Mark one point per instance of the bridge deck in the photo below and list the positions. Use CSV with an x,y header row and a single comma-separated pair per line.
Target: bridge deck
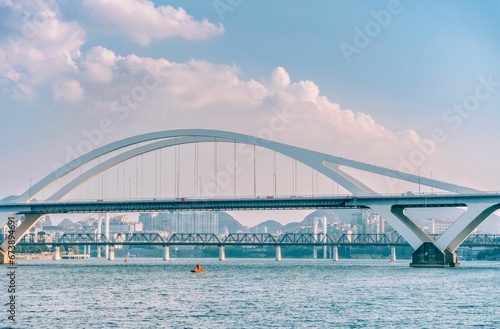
x,y
251,203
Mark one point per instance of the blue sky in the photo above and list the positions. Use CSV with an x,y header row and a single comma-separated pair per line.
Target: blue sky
x,y
229,70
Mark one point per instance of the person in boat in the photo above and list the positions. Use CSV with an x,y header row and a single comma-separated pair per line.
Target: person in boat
x,y
198,269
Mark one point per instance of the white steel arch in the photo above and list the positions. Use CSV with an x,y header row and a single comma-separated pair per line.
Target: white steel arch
x,y
328,165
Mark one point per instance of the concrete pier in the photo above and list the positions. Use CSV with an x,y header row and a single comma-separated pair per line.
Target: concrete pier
x,y
335,255
57,253
111,253
99,231
393,253
428,255
222,253
106,232
166,253
325,232
278,253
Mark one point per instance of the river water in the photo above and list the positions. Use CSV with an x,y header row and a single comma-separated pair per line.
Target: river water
x,y
252,293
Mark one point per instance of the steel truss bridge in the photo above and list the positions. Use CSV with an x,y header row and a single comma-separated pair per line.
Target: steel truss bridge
x,y
429,251
239,239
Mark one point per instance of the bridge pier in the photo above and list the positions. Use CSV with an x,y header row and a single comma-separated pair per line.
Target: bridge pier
x,y
315,252
111,255
166,253
99,252
222,253
106,232
57,253
428,255
4,259
324,253
335,255
393,253
278,253
17,234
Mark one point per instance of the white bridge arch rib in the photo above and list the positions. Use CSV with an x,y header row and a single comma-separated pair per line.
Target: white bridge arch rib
x,y
328,165
94,171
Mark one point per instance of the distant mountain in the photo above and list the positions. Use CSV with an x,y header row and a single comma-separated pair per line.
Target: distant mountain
x,y
65,222
331,216
228,221
272,226
45,221
309,220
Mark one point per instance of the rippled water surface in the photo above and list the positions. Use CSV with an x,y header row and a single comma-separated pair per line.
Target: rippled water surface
x,y
253,293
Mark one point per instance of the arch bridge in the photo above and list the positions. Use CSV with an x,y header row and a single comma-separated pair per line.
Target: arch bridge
x,y
429,251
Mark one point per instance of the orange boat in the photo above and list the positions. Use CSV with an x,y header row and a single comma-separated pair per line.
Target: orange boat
x,y
198,269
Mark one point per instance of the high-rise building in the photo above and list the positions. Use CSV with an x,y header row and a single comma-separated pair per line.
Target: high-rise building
x,y
439,226
121,224
367,222
182,222
148,222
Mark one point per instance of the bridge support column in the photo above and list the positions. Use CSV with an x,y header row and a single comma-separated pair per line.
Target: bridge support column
x,y
335,255
14,237
393,253
85,249
56,253
428,255
99,231
315,252
4,259
324,253
111,255
278,253
106,231
166,253
222,253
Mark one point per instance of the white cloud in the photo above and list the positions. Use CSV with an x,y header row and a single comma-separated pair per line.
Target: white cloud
x,y
36,46
200,94
142,21
192,94
98,65
68,90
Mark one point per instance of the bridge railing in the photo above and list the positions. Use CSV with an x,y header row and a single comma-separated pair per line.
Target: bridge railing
x,y
143,238
213,239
